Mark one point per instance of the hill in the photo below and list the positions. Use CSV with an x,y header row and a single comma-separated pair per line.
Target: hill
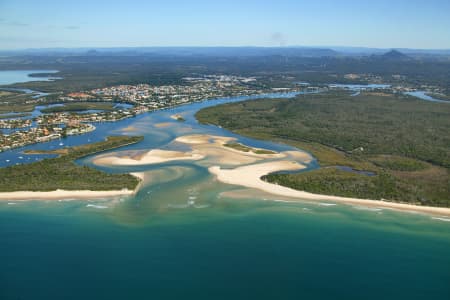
x,y
394,55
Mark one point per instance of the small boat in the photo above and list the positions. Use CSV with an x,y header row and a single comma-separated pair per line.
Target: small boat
x,y
7,160
61,144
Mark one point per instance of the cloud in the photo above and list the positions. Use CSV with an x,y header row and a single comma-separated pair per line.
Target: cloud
x,y
13,23
278,38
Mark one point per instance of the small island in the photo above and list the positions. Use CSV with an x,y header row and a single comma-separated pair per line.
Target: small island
x,y
178,117
244,148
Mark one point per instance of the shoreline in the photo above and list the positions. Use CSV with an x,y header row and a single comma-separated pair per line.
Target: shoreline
x,y
62,194
247,172
71,194
250,177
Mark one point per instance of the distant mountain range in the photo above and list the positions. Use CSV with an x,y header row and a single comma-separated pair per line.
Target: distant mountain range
x,y
184,51
386,54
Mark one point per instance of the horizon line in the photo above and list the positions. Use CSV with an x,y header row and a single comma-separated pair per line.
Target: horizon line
x,y
331,47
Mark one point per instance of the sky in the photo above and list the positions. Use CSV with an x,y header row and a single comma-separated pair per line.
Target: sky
x,y
133,23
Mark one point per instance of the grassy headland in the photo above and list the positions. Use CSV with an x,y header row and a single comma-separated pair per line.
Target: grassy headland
x,y
62,173
403,140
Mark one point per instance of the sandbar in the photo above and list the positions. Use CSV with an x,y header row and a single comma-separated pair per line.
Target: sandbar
x,y
212,147
154,156
129,128
163,124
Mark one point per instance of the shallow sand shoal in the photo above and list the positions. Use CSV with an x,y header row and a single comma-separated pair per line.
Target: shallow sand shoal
x,y
129,128
250,176
154,156
63,194
203,146
203,139
163,124
212,147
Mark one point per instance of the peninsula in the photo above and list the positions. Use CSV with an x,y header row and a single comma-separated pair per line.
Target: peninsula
x,y
60,177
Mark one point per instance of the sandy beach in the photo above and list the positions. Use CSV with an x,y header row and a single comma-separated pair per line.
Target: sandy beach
x,y
63,194
249,176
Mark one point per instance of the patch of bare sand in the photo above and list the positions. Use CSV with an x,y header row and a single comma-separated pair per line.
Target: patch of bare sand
x,y
129,129
154,156
163,124
212,147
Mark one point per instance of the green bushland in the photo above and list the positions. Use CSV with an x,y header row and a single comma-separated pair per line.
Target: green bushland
x,y
398,163
15,102
405,141
443,97
79,106
243,148
62,173
341,183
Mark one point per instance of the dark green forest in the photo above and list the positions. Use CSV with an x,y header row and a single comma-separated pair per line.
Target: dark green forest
x,y
405,141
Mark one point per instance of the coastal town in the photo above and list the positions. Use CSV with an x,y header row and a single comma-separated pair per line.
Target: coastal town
x,y
140,98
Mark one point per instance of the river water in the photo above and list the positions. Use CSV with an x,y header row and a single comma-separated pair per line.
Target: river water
x,y
22,76
184,237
